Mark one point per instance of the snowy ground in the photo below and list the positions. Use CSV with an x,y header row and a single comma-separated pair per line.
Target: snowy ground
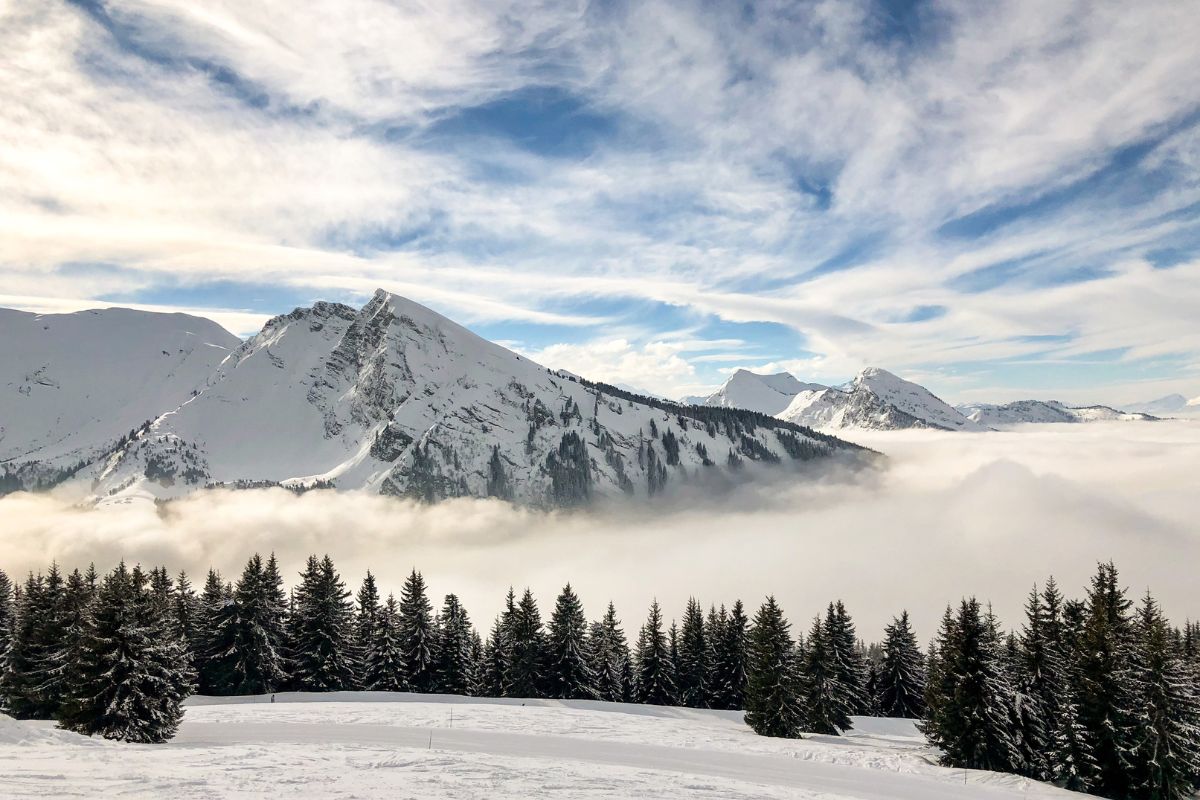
x,y
366,745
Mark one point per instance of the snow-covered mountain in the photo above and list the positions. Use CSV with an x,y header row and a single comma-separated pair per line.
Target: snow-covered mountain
x,y
877,400
396,399
766,394
1173,405
71,385
1045,411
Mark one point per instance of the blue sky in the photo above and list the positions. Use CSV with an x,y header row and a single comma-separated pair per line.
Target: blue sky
x,y
999,199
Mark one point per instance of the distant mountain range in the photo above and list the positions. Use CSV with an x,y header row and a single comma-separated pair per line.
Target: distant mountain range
x,y
390,398
878,400
874,400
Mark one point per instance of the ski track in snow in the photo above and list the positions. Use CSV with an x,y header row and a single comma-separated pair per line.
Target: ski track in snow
x,y
367,744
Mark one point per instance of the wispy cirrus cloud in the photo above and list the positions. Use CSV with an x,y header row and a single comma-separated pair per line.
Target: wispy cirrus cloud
x,y
973,192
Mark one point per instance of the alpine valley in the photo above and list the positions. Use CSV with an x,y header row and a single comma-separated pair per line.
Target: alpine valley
x,y
391,398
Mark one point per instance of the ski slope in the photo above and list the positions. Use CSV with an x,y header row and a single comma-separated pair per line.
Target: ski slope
x,y
370,744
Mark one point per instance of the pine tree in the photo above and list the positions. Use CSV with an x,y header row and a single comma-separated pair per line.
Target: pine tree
x,y
322,630
608,655
129,682
824,697
901,690
653,671
1027,717
20,685
694,664
366,622
418,639
186,612
970,709
75,617
772,703
851,663
1165,757
275,617
569,675
526,668
244,652
6,614
455,667
1107,695
212,603
383,670
729,669
497,653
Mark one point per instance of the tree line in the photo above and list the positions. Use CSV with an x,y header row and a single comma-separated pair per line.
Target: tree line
x,y
1092,694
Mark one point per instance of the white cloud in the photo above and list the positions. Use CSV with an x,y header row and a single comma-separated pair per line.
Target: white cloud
x,y
955,514
116,159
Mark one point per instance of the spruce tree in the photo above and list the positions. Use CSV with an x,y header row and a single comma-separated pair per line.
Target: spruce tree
x,y
130,681
729,669
569,675
497,652
418,638
75,616
322,630
823,696
1165,757
212,603
694,665
1107,694
851,663
608,654
901,674
6,614
652,662
526,668
186,613
20,684
772,703
454,670
244,651
366,621
383,670
970,709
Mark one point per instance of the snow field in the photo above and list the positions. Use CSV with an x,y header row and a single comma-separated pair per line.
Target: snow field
x,y
368,744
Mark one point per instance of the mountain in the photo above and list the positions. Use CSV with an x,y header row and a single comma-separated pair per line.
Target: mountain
x,y
766,394
71,385
877,400
395,399
1173,405
1045,411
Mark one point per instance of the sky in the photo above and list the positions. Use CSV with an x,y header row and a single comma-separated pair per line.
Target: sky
x,y
954,514
999,200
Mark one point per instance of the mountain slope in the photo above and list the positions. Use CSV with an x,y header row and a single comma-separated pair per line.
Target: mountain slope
x,y
72,384
1045,411
766,394
396,399
876,400
368,745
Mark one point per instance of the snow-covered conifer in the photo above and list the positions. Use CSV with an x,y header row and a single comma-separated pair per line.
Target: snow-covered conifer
x,y
454,670
772,703
901,673
322,630
569,676
131,678
655,684
694,665
418,638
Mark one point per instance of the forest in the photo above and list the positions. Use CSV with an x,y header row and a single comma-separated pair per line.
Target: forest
x,y
1097,694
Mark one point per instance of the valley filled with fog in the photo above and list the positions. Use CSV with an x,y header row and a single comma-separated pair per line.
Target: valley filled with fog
x,y
950,514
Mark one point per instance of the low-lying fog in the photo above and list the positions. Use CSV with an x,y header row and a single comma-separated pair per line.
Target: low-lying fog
x,y
954,514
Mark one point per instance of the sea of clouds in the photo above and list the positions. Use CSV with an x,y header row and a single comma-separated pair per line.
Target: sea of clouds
x,y
952,514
